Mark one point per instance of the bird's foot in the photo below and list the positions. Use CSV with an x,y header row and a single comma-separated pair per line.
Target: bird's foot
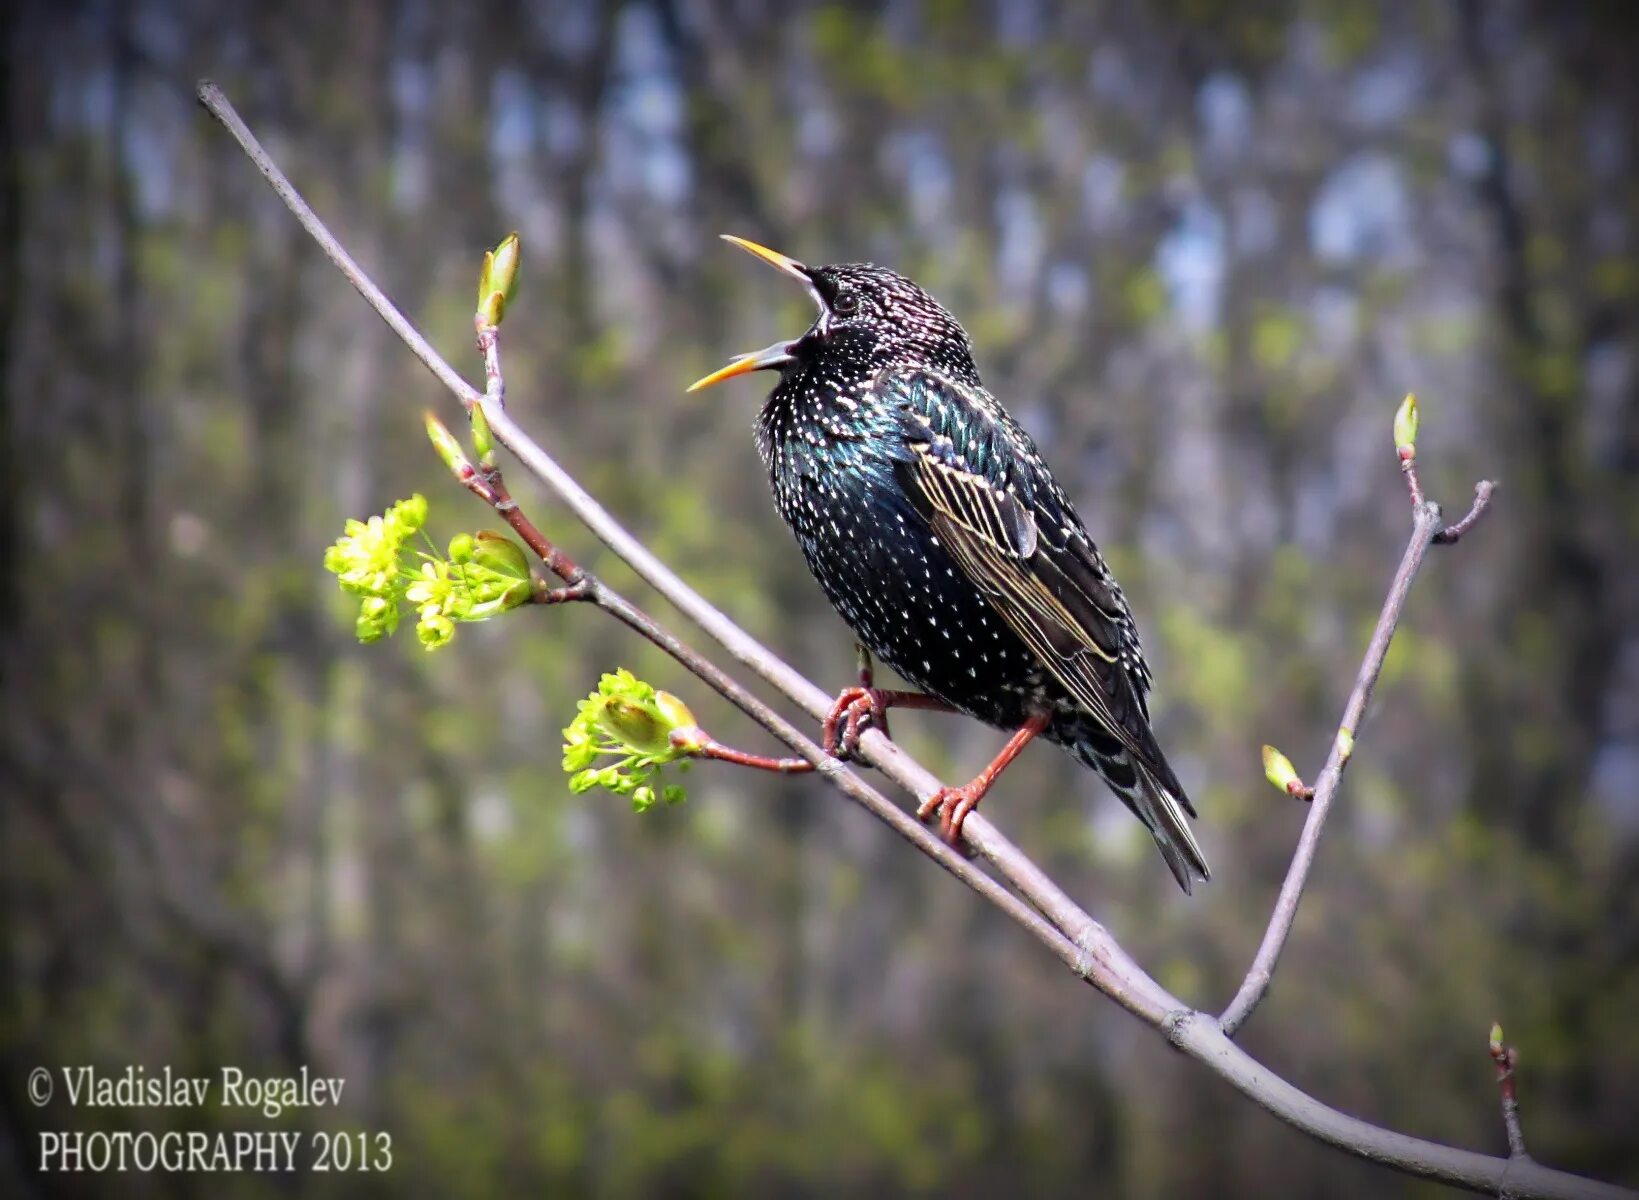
x,y
856,710
953,805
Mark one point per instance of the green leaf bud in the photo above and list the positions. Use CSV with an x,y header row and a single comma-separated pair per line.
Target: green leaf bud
x,y
1278,769
498,553
635,724
1405,427
448,448
498,280
483,441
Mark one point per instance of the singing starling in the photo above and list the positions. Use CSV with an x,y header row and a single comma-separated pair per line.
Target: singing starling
x,y
933,525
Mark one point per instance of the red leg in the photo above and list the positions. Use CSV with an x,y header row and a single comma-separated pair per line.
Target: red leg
x,y
867,679
954,804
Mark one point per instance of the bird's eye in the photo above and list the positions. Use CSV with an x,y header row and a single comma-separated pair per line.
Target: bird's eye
x,y
846,304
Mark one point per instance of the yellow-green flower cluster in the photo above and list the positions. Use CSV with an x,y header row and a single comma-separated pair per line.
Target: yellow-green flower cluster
x,y
486,573
645,728
366,561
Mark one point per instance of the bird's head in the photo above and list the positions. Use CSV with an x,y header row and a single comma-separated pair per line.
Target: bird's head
x,y
869,318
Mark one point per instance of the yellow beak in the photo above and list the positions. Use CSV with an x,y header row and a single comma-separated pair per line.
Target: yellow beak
x,y
776,355
780,262
779,353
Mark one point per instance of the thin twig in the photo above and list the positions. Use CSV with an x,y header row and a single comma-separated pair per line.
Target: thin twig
x,y
1425,524
1408,468
1482,504
1507,1060
759,762
1078,940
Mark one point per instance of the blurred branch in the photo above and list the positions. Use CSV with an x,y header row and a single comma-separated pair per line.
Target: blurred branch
x,y
1068,931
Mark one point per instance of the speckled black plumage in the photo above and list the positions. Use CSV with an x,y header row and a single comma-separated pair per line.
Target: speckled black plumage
x,y
930,520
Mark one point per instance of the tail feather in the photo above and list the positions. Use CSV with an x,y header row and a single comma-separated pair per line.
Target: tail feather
x,y
1165,812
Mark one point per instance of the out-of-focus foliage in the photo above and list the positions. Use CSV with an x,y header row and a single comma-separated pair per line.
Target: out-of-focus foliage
x,y
1203,248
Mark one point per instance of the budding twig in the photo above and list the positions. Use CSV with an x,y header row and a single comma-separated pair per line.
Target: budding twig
x,y
1506,1060
1427,529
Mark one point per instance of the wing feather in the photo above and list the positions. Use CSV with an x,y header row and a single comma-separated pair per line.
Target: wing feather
x,y
1049,584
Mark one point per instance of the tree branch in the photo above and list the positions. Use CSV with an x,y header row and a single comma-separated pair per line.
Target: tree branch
x,y
1075,937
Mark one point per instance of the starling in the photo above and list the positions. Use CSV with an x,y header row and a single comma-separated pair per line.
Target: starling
x,y
937,532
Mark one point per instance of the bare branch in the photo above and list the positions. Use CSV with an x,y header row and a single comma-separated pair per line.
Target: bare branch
x,y
1482,505
1074,936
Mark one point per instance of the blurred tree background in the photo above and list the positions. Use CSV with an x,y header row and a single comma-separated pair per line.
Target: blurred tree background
x,y
1204,248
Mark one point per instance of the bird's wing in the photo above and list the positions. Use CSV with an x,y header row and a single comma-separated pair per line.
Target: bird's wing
x,y
976,478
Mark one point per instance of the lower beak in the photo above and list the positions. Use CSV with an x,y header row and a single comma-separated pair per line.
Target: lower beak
x,y
776,355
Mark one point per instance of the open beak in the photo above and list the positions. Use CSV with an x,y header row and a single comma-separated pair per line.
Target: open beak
x,y
780,353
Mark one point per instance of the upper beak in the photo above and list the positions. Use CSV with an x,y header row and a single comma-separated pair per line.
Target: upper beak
x,y
779,353
773,258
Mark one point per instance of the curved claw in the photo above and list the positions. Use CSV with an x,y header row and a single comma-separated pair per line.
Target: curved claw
x,y
856,710
953,804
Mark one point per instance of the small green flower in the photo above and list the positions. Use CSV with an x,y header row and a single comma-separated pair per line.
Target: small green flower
x,y
365,559
434,630
485,574
378,618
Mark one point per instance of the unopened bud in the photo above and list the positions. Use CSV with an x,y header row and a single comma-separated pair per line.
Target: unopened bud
x,y
673,711
1278,769
1405,428
448,448
498,281
499,553
634,724
483,441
